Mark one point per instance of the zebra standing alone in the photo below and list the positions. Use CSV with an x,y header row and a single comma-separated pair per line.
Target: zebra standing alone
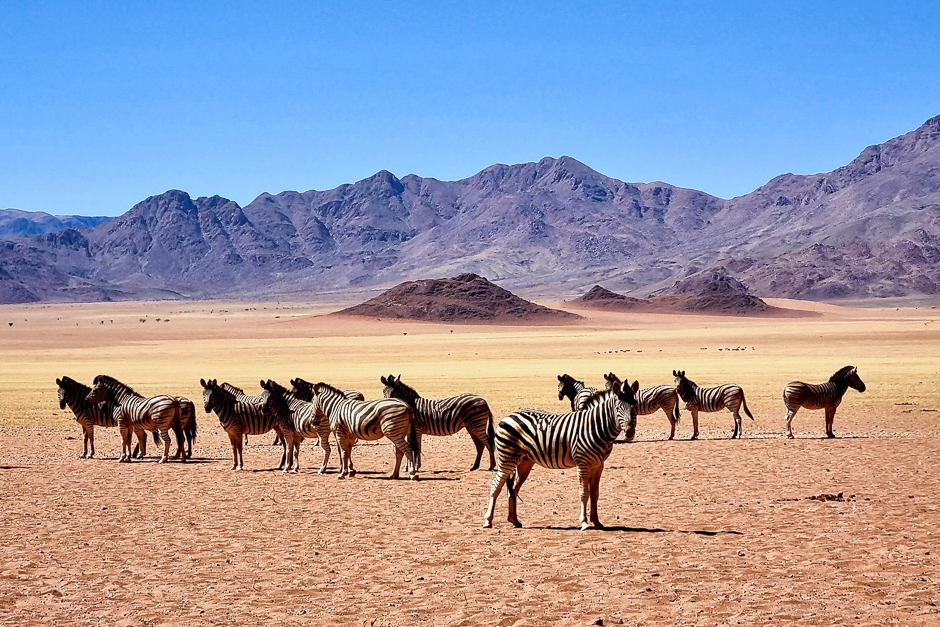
x,y
298,419
575,390
582,438
238,418
369,420
826,396
698,399
447,416
135,413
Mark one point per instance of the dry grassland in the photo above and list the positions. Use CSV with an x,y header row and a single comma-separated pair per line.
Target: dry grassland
x,y
708,532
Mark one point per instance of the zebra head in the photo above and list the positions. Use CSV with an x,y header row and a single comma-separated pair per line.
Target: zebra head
x,y
849,374
626,405
685,388
394,388
210,394
566,386
276,403
302,389
99,393
63,393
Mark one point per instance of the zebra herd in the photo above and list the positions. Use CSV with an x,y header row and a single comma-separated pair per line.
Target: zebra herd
x,y
581,438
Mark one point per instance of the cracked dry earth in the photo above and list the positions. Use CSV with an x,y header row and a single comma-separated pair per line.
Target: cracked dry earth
x,y
715,531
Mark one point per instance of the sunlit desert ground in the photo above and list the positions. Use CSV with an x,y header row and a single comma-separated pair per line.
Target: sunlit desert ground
x,y
708,532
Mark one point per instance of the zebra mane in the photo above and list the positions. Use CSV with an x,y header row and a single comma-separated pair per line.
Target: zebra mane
x,y
298,382
71,385
113,384
326,387
228,387
396,383
841,373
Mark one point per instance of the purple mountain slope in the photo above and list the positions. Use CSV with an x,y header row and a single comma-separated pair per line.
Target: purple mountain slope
x,y
549,229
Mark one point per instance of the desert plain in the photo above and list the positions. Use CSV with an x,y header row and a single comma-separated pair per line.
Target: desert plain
x,y
761,530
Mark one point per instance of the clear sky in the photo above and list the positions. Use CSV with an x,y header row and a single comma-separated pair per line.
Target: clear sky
x,y
105,103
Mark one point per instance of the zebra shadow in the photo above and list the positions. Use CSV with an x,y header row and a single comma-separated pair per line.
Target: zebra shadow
x,y
15,467
625,529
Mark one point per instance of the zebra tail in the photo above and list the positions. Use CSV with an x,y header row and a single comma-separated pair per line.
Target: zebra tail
x,y
413,444
746,410
191,428
675,412
156,437
490,431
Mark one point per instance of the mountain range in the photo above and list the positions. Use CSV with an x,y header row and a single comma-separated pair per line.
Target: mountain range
x,y
547,229
19,222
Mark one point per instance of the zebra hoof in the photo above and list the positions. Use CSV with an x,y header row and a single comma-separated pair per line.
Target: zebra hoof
x,y
830,435
585,526
414,477
487,524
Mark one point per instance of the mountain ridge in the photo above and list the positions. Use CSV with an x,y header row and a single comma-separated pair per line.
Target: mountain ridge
x,y
550,228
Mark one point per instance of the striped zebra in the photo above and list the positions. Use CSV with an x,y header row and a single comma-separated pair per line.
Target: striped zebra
x,y
826,396
135,413
651,400
369,420
238,418
447,416
696,399
188,424
298,419
575,390
72,394
259,399
582,438
304,391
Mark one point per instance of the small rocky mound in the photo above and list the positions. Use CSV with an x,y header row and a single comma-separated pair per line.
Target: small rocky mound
x,y
464,298
713,291
601,298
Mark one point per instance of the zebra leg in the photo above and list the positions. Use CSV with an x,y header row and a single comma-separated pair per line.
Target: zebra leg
x,y
830,416
126,436
788,422
478,443
233,440
402,449
85,443
584,491
240,451
279,435
522,473
595,490
165,436
672,421
324,441
495,487
738,429
344,443
289,442
694,413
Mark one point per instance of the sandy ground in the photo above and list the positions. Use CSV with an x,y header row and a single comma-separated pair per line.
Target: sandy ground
x,y
708,532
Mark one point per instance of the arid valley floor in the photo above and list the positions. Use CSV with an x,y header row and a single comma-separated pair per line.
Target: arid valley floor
x,y
715,531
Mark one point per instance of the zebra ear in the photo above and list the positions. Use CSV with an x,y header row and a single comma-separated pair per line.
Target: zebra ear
x,y
559,377
58,381
203,383
383,380
95,382
398,380
635,387
263,384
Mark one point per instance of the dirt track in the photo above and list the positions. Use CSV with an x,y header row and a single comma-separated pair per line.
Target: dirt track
x,y
707,532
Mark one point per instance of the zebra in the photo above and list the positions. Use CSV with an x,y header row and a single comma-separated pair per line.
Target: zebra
x,y
447,416
650,400
581,438
259,399
575,390
698,399
304,391
297,418
826,396
134,413
72,394
188,424
238,418
369,420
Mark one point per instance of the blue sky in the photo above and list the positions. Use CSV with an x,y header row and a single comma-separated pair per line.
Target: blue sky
x,y
105,103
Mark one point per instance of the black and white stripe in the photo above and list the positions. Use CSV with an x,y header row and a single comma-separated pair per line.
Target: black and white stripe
x,y
298,419
651,400
447,416
582,438
239,418
134,413
826,396
696,399
369,420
